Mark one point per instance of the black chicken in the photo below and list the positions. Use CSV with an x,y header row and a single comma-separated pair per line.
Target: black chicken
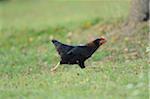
x,y
77,54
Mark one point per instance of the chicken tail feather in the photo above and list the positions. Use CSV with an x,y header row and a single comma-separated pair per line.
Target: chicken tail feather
x,y
56,43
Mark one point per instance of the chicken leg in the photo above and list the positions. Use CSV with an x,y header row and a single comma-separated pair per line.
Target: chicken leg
x,y
53,69
81,64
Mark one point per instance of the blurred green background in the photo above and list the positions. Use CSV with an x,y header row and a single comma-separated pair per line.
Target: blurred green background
x,y
118,70
44,13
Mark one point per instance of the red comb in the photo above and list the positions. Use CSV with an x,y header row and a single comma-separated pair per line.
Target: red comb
x,y
102,37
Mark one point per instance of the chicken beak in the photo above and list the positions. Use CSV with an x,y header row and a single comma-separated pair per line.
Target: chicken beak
x,y
103,40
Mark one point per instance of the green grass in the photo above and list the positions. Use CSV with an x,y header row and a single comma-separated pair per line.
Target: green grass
x,y
118,70
45,13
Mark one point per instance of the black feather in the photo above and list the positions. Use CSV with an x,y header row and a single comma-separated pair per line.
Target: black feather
x,y
75,54
61,48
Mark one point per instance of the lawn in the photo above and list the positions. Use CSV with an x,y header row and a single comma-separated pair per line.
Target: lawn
x,y
118,70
